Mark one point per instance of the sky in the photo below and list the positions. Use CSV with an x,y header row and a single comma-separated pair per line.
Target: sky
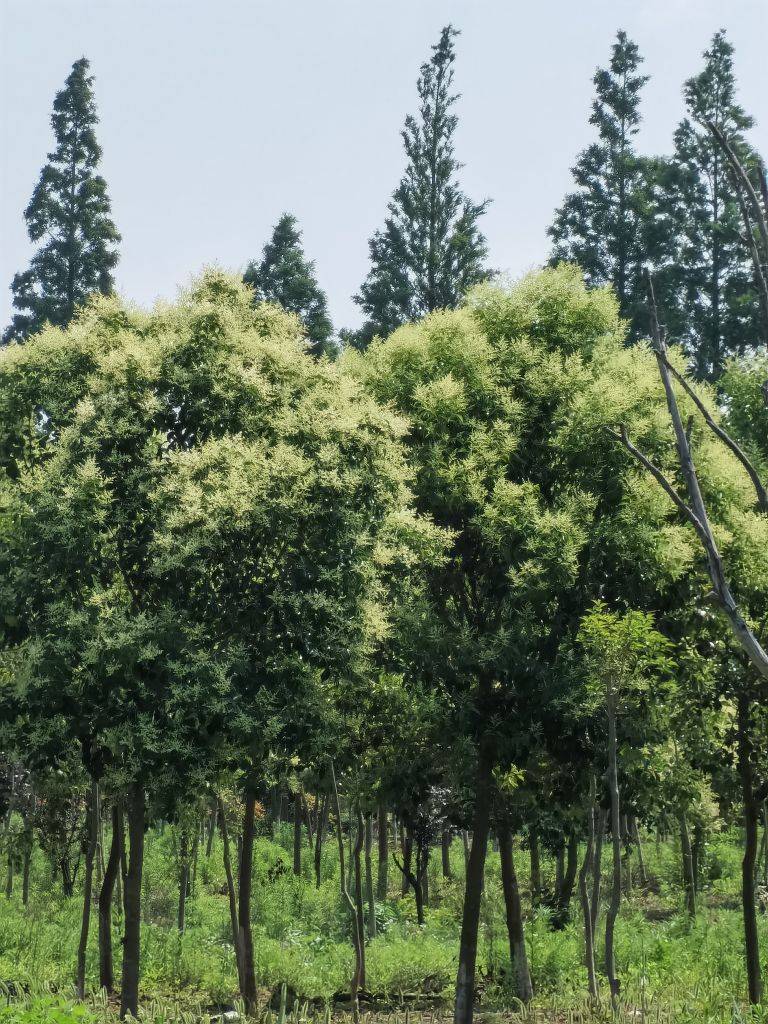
x,y
218,115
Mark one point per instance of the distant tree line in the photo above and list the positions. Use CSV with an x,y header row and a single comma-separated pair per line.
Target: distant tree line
x,y
679,215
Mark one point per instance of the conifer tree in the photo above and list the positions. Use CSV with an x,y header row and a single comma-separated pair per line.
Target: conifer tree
x,y
284,275
70,213
431,249
710,301
605,224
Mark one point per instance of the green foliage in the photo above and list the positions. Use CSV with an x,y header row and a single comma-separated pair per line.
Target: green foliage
x,y
431,249
285,276
70,211
606,224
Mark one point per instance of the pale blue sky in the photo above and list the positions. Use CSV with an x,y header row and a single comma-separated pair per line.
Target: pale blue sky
x,y
217,115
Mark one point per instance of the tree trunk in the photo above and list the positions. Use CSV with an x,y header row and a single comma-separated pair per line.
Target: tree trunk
x,y
615,903
369,878
248,990
586,909
407,859
322,827
515,928
568,882
129,993
183,879
357,937
751,814
383,849
445,853
211,831
635,832
93,838
533,838
231,892
465,978
106,894
297,809
689,876
601,817
357,850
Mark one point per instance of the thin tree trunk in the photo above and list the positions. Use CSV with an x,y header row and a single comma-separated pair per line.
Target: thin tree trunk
x,y
586,909
465,847
751,814
689,877
407,859
231,892
640,858
129,993
369,878
297,810
568,882
357,850
211,830
383,849
445,853
248,989
357,937
183,879
322,827
106,895
533,837
93,838
514,912
465,978
597,869
615,903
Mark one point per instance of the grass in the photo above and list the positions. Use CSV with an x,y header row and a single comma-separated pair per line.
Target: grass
x,y
672,969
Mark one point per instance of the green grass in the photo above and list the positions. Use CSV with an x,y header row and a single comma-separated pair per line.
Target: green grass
x,y
671,969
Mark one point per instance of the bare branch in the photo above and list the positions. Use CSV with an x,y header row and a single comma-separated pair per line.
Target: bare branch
x,y
725,437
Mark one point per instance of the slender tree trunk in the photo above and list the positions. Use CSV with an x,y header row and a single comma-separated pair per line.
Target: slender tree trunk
x,y
129,993
211,831
231,892
689,876
615,903
357,937
183,879
465,847
445,853
383,849
559,869
407,859
106,895
514,912
586,909
297,809
601,817
322,827
357,850
640,858
535,864
751,815
248,990
93,832
465,979
568,882
369,878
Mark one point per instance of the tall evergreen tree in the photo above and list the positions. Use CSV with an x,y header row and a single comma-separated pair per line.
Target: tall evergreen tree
x,y
284,275
70,210
605,225
712,305
431,249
